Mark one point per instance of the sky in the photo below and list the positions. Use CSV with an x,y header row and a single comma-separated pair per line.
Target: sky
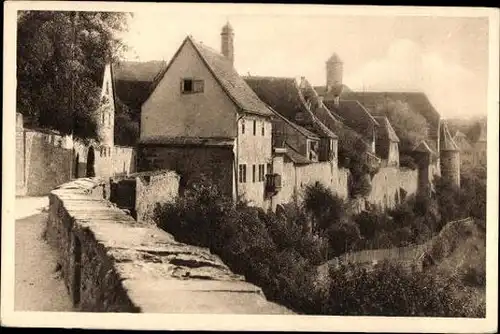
x,y
445,57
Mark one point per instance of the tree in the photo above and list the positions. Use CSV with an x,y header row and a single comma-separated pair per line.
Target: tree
x,y
411,127
60,62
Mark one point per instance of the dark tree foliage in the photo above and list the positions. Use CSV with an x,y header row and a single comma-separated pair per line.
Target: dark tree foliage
x,y
273,252
60,62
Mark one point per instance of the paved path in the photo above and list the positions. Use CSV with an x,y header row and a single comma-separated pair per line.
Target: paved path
x,y
38,287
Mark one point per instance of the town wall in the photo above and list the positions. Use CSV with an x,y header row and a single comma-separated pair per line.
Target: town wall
x,y
294,178
152,189
46,164
385,188
124,160
111,263
408,179
191,162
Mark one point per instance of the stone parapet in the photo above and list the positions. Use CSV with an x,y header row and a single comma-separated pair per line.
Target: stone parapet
x,y
111,263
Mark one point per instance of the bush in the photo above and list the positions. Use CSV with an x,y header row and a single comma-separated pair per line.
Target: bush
x,y
390,290
473,276
408,162
323,205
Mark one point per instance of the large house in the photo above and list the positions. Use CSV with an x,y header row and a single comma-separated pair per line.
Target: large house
x,y
202,120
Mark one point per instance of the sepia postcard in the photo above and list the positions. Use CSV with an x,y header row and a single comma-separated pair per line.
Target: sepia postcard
x,y
269,167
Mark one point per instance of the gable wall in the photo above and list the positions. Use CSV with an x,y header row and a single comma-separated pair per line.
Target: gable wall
x,y
168,112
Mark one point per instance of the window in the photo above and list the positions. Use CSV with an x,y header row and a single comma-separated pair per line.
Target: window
x,y
189,86
243,127
253,173
103,118
242,173
262,172
269,169
263,128
107,88
254,127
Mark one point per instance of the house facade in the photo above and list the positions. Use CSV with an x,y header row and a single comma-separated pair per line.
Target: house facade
x,y
202,120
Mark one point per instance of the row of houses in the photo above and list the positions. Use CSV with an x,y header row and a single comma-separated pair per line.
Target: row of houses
x,y
259,138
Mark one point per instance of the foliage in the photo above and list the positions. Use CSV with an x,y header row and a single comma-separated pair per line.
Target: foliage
x,y
273,252
352,152
56,49
410,127
407,161
390,290
126,128
323,205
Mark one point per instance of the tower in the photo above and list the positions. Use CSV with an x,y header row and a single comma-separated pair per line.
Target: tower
x,y
449,156
227,42
422,154
105,123
334,72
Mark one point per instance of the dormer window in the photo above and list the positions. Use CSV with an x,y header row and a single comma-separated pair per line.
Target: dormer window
x,y
191,86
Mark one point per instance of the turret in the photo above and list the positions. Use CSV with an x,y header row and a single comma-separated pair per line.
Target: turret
x,y
227,42
422,154
449,157
334,72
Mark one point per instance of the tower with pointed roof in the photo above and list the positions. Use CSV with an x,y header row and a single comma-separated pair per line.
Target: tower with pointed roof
x,y
422,154
334,73
449,156
227,42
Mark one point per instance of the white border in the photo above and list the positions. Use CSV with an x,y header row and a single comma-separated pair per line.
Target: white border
x,y
243,322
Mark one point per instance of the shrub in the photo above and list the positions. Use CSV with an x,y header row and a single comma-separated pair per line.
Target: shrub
x,y
473,276
325,207
407,161
390,290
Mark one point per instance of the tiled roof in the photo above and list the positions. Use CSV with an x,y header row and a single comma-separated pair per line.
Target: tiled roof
x,y
296,157
132,80
423,147
231,81
297,127
281,95
417,101
224,72
387,128
446,143
354,115
322,91
284,95
334,58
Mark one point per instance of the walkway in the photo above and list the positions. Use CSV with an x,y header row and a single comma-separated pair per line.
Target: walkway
x,y
38,286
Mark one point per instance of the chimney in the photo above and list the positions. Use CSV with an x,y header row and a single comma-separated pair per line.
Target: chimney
x,y
227,42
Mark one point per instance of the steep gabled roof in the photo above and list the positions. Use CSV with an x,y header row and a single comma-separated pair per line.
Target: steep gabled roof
x,y
132,80
297,127
225,74
284,96
417,101
296,157
446,143
423,147
281,95
354,115
386,128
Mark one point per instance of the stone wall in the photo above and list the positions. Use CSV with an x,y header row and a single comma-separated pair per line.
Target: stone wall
x,y
191,162
46,162
152,189
385,188
124,160
111,263
408,180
